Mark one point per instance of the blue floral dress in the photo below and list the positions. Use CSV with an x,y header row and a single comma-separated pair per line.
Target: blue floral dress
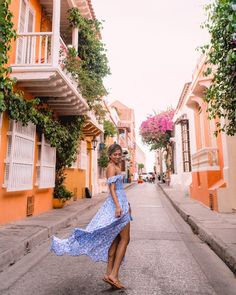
x,y
96,239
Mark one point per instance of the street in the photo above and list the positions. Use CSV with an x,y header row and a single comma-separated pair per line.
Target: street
x,y
163,257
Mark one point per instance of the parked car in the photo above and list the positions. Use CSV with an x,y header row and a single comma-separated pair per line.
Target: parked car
x,y
144,176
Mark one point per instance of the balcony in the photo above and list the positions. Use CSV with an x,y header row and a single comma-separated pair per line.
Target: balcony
x,y
206,159
91,126
38,66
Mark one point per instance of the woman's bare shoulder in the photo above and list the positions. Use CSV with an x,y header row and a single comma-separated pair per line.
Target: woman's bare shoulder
x,y
111,170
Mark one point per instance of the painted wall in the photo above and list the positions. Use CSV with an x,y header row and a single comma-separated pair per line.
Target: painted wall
x,y
75,182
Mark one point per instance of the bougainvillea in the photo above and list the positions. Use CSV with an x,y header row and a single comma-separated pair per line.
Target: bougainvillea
x,y
156,130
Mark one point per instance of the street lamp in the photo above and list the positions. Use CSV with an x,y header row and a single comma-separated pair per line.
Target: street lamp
x,y
94,143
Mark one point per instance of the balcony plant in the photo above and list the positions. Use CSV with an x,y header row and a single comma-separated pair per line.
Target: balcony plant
x,y
93,66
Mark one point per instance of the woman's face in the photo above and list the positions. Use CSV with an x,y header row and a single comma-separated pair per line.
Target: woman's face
x,y
116,156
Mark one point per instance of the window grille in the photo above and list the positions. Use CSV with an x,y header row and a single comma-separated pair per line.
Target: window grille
x,y
83,155
185,146
46,164
20,157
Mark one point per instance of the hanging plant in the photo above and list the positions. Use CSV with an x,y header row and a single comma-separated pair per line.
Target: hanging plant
x,y
93,65
109,129
221,56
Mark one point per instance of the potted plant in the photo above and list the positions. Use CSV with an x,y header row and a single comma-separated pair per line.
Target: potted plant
x,y
61,195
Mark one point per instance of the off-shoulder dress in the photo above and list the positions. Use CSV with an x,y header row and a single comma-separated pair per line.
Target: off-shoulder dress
x,y
96,239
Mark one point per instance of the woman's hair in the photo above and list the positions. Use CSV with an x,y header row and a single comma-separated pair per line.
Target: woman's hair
x,y
113,148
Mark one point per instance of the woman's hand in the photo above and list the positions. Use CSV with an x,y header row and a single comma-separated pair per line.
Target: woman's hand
x,y
118,212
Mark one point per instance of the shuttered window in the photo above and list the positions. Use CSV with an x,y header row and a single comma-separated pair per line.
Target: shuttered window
x,y
46,165
19,161
26,46
21,29
185,146
83,155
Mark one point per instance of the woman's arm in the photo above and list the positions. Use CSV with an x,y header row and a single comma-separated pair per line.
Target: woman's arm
x,y
112,187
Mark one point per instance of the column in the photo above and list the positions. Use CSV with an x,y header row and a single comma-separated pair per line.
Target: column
x,y
75,38
56,32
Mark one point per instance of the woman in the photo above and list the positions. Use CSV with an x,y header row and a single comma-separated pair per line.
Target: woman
x,y
107,235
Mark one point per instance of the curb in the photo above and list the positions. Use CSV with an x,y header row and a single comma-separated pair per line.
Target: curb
x,y
217,245
11,256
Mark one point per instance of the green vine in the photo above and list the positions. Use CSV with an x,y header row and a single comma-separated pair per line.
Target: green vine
x,y
103,159
109,129
64,133
221,53
93,64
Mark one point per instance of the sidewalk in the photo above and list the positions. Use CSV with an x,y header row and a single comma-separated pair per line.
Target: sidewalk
x,y
218,230
20,237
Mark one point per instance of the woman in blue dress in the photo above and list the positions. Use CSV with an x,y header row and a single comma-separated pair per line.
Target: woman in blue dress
x,y
107,235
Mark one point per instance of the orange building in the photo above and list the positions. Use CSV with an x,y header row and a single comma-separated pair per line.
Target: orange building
x,y
27,161
214,161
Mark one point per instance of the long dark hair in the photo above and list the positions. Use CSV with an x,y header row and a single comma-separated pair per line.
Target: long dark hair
x,y
113,148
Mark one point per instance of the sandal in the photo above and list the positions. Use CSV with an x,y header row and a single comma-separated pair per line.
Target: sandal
x,y
115,284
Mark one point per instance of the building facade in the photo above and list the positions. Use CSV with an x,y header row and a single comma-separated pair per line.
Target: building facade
x,y
126,128
140,158
211,160
183,143
26,159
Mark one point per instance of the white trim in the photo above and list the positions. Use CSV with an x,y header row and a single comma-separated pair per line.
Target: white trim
x,y
206,168
56,31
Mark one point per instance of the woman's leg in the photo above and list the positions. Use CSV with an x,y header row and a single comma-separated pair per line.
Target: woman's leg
x,y
111,255
120,252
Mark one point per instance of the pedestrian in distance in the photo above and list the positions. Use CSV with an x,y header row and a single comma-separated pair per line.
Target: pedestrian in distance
x,y
107,235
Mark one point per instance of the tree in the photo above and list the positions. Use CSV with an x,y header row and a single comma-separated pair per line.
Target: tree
x,y
140,167
156,132
221,61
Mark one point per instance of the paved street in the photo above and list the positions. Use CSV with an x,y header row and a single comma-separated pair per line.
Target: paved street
x,y
164,257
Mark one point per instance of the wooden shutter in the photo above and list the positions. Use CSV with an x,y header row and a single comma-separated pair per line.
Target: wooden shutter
x,y
83,155
19,163
22,24
47,165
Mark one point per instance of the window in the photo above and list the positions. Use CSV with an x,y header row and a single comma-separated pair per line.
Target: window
x,y
185,146
20,157
83,155
25,45
46,165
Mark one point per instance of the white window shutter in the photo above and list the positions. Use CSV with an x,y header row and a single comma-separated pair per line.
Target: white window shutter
x,y
83,155
74,165
19,163
47,165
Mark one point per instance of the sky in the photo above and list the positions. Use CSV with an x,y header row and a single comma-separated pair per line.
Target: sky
x,y
151,48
